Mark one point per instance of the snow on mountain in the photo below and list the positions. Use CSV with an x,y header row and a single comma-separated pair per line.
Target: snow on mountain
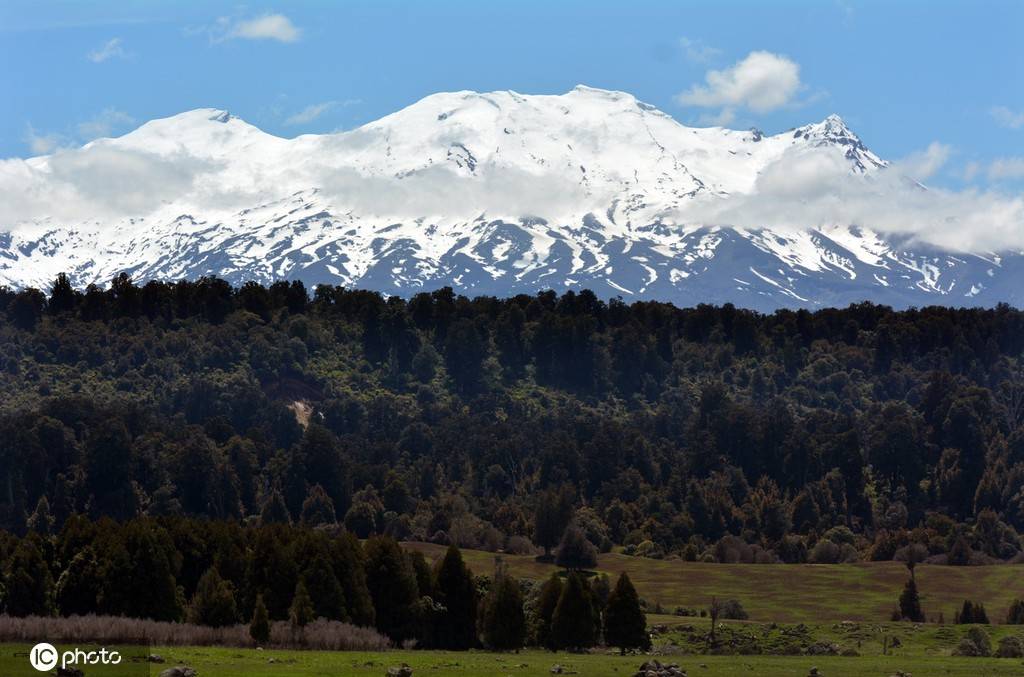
x,y
490,193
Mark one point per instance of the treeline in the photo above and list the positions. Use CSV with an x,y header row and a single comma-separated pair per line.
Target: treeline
x,y
219,574
709,433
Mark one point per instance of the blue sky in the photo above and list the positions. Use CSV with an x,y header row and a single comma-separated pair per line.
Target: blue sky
x,y
903,75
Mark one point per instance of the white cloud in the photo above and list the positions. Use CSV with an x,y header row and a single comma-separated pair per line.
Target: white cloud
x,y
41,144
697,51
1006,168
316,110
761,82
267,27
108,50
816,189
1008,118
103,124
923,165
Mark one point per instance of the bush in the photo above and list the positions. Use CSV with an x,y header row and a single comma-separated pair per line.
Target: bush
x,y
976,643
732,610
1010,647
321,634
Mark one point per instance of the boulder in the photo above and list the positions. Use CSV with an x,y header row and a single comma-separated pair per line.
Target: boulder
x,y
402,670
179,671
154,658
655,668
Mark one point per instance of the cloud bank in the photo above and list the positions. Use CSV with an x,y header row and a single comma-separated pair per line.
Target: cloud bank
x,y
815,189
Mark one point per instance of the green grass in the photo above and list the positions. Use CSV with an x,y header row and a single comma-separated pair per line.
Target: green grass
x,y
790,593
245,663
791,607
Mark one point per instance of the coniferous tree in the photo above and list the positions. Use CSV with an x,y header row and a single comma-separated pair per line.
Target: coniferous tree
x,y
551,517
547,601
575,551
325,589
575,622
28,581
1015,614
275,510
392,584
259,627
456,590
910,603
300,613
214,601
625,624
318,508
41,520
504,623
79,585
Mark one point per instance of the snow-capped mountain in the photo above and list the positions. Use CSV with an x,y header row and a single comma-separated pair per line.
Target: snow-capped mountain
x,y
489,193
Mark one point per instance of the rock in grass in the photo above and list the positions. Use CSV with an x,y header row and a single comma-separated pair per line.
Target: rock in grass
x,y
402,670
655,668
179,671
154,658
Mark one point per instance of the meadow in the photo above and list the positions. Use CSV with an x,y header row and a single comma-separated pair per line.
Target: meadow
x,y
789,593
843,608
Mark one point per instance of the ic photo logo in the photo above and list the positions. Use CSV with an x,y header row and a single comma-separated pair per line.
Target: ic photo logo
x,y
45,657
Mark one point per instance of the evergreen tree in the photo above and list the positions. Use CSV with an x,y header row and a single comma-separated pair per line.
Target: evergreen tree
x,y
575,621
504,623
259,627
318,508
547,601
424,576
625,624
28,582
910,603
456,590
393,589
1015,615
41,520
300,613
79,585
214,601
552,515
325,589
575,551
971,612
275,510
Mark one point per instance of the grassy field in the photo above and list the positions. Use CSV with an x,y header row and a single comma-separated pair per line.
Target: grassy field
x,y
792,607
245,663
791,593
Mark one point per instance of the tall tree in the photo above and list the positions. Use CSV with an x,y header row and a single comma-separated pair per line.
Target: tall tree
x,y
456,590
547,601
214,601
625,624
575,551
259,627
551,517
300,613
28,581
504,623
575,622
392,584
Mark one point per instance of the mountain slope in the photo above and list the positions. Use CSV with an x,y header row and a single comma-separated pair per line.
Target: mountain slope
x,y
495,193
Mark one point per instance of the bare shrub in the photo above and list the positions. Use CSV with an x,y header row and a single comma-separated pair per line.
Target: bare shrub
x,y
321,634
